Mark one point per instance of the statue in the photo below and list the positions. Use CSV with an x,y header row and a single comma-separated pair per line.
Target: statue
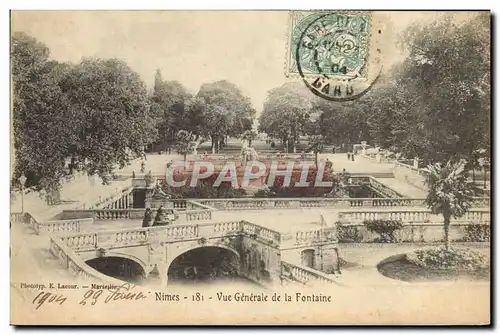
x,y
159,216
148,215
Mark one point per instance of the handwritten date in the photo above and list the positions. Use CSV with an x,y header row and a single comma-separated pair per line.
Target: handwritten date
x,y
49,298
118,294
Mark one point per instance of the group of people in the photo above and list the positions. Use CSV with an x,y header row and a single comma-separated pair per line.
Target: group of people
x,y
159,220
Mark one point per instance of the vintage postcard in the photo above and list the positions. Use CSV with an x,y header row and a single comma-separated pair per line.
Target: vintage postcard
x,y
318,167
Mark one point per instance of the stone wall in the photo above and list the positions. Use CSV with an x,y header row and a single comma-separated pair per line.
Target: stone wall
x,y
260,261
418,232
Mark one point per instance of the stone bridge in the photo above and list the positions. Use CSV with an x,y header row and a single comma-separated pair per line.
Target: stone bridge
x,y
257,252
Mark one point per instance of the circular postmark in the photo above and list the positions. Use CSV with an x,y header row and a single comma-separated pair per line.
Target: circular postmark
x,y
331,54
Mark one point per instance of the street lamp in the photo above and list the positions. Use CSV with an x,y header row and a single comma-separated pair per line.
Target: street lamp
x,y
22,180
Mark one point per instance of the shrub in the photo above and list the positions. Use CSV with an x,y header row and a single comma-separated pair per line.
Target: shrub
x,y
385,228
453,258
348,234
477,233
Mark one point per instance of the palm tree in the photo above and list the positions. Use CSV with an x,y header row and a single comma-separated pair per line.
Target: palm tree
x,y
450,193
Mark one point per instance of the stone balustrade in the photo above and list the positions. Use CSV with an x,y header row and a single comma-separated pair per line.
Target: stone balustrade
x,y
119,200
410,175
171,233
304,275
52,226
103,214
118,214
308,237
418,171
76,266
477,215
409,215
198,215
197,205
63,226
230,226
82,241
341,203
269,235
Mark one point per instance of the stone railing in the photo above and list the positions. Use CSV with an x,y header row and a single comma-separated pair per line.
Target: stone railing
x,y
76,266
304,275
410,175
383,189
119,200
144,236
52,226
117,214
341,203
63,226
255,231
410,215
386,202
199,215
299,156
134,214
309,237
197,205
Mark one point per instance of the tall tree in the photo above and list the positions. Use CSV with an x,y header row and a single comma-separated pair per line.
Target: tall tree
x,y
110,110
170,99
40,113
445,111
225,109
286,112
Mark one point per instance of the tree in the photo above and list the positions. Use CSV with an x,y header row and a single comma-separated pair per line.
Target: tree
x,y
440,100
316,145
184,143
225,110
170,98
286,111
110,110
40,114
450,194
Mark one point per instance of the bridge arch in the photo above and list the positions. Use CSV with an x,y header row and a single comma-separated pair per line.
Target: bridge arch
x,y
308,257
203,260
122,266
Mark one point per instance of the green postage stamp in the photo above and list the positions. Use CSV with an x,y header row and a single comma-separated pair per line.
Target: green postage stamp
x,y
332,44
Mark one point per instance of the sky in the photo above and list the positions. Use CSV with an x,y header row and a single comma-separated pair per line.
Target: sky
x,y
247,48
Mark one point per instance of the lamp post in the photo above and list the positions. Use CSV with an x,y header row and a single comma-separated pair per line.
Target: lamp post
x,y
22,180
